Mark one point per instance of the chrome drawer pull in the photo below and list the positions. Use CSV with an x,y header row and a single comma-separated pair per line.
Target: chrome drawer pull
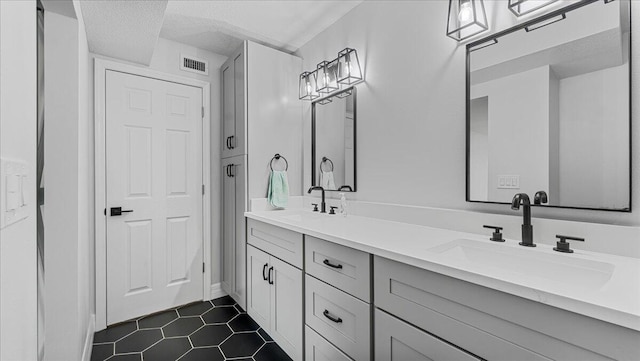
x,y
328,315
326,262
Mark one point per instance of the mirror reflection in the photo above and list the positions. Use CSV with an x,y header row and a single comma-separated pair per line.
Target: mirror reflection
x,y
333,144
549,110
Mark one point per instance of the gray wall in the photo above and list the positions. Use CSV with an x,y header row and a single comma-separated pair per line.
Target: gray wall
x,y
411,109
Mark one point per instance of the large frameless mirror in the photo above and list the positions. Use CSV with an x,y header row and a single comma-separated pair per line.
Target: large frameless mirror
x,y
333,146
548,109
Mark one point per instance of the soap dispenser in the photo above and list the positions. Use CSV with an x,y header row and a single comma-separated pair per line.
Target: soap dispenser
x,y
343,204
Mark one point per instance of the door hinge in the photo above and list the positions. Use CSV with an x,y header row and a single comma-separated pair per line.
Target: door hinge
x,y
202,267
203,189
203,112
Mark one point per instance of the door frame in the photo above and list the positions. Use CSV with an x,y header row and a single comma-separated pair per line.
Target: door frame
x,y
101,66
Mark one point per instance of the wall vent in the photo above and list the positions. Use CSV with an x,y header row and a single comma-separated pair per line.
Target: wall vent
x,y
194,65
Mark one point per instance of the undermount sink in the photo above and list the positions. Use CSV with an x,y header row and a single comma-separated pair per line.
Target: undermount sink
x,y
527,262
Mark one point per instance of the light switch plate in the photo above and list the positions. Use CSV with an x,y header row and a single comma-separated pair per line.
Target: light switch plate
x,y
508,182
14,191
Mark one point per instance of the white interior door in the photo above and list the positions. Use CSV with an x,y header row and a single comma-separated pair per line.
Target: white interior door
x,y
154,170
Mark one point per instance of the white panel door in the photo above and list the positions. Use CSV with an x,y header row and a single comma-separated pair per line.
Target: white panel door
x,y
154,170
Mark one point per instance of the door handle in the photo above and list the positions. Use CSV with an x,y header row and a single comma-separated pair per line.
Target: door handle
x,y
270,273
326,262
328,315
231,139
117,211
231,168
228,175
228,143
264,268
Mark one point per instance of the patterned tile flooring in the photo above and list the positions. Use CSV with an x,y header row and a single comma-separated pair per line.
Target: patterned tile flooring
x,y
213,331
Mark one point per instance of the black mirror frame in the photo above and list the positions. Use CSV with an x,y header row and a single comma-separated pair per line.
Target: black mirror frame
x,y
493,39
353,91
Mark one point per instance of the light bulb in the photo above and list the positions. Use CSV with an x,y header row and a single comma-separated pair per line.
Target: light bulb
x,y
308,87
466,12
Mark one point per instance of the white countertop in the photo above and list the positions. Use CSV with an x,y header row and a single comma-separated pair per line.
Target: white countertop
x,y
615,300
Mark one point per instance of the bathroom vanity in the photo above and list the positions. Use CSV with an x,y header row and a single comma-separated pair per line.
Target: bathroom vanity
x,y
357,288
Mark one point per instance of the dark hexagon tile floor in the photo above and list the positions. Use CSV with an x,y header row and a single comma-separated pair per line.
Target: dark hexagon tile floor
x,y
215,330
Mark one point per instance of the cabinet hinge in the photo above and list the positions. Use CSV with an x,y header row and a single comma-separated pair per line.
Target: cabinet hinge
x,y
203,189
202,267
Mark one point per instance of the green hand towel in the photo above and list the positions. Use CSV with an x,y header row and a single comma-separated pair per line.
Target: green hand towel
x,y
278,193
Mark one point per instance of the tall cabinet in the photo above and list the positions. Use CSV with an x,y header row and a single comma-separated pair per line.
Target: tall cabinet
x,y
261,116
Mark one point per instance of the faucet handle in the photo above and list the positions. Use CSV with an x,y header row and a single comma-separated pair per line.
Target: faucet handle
x,y
497,235
315,206
332,210
563,246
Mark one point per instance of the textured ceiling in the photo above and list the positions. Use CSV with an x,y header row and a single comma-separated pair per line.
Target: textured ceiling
x,y
123,29
221,26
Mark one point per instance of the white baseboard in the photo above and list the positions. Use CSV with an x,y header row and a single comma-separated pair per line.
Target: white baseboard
x,y
88,340
217,291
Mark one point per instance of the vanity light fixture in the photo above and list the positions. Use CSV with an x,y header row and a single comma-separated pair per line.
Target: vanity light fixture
x,y
326,77
466,19
308,86
348,67
523,7
331,76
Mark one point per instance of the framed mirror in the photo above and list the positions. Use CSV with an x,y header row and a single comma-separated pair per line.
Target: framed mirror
x,y
333,141
549,109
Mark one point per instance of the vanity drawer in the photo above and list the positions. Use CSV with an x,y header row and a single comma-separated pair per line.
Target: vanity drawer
x,y
279,242
342,267
399,341
319,349
489,323
338,317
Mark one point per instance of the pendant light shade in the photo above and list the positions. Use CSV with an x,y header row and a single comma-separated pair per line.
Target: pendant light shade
x,y
308,86
523,7
349,71
326,77
466,19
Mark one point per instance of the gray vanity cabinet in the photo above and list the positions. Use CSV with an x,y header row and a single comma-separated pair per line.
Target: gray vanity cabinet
x,y
233,240
491,324
275,287
337,299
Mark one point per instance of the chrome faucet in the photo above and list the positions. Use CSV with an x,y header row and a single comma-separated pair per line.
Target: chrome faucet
x,y
527,228
323,205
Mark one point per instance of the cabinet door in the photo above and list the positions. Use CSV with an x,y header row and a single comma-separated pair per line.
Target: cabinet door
x,y
258,287
228,228
232,75
286,315
396,340
238,172
233,228
238,140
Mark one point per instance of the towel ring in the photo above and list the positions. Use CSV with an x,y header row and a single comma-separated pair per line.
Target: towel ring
x,y
324,160
277,157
